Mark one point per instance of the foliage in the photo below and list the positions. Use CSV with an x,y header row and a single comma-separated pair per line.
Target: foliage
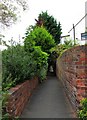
x,y
17,65
5,114
83,112
42,65
9,10
39,37
50,23
60,48
39,42
5,97
57,51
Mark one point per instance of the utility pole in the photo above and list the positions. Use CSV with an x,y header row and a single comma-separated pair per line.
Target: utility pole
x,y
74,33
75,26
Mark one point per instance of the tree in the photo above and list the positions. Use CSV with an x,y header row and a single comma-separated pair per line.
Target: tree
x,y
9,10
48,21
39,36
36,39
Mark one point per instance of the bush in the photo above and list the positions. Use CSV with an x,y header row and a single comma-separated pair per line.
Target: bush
x,y
83,112
60,48
42,65
39,36
39,39
18,65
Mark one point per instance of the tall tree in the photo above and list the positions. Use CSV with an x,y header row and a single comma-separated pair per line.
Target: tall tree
x,y
9,10
50,23
39,36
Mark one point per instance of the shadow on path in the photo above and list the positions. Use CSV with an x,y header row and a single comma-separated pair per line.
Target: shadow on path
x,y
48,101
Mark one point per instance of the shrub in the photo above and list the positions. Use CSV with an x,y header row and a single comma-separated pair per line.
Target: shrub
x,y
17,64
39,36
5,96
83,112
41,58
60,48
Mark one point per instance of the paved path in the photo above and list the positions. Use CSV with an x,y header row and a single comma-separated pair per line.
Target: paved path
x,y
48,101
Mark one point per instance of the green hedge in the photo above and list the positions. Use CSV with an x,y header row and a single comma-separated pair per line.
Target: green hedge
x,y
18,65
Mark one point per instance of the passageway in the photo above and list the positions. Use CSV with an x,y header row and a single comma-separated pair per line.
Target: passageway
x,y
48,101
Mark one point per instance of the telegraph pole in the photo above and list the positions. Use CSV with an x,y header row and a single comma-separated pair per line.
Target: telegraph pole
x,y
74,33
75,26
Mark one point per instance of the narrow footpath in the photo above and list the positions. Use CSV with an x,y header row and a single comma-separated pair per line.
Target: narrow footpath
x,y
48,101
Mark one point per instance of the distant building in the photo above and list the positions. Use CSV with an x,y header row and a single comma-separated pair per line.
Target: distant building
x,y
86,16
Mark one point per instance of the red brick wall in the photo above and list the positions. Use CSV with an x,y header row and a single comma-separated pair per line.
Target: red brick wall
x,y
72,71
19,96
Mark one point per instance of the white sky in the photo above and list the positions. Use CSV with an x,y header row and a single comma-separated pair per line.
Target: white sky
x,y
65,11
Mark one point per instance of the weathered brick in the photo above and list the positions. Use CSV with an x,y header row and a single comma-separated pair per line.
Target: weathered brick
x,y
71,69
19,96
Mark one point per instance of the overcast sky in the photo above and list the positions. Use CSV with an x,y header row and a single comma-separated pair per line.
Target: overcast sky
x,y
67,12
